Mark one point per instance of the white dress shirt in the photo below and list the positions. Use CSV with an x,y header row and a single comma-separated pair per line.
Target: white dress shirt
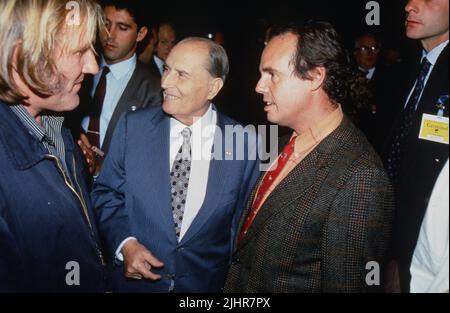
x,y
432,57
202,140
369,72
116,82
429,267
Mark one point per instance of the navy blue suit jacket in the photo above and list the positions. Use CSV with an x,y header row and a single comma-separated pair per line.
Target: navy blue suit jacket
x,y
132,198
44,224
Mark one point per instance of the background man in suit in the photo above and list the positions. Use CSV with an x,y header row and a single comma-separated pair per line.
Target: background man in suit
x,y
376,116
123,83
367,49
323,212
157,51
160,186
47,226
413,161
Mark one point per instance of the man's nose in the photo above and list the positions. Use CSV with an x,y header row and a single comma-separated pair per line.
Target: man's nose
x,y
260,86
165,79
90,65
410,5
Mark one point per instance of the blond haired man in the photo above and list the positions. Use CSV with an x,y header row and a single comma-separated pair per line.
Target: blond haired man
x,y
48,239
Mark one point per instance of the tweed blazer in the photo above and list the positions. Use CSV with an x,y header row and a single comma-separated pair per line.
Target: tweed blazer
x,y
319,228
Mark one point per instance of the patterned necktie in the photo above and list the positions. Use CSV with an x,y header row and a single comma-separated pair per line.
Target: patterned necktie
x,y
265,184
407,119
93,132
179,179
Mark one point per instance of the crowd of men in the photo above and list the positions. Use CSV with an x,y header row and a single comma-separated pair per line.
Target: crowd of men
x,y
120,164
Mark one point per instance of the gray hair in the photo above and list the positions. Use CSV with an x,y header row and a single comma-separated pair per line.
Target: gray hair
x,y
218,59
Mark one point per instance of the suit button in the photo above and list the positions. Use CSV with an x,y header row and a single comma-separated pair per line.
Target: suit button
x,y
235,261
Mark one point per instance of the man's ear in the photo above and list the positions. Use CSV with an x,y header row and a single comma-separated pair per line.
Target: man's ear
x,y
318,75
15,54
142,33
214,87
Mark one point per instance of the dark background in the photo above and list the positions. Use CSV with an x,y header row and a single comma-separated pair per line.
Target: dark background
x,y
244,23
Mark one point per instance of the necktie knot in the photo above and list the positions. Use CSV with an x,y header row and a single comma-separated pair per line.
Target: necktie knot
x,y
186,133
424,68
186,147
106,70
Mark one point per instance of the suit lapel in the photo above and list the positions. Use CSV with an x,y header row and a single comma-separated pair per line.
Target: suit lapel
x,y
123,105
217,177
433,87
155,170
295,184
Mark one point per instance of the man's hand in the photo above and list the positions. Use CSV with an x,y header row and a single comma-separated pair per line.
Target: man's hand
x,y
94,164
138,261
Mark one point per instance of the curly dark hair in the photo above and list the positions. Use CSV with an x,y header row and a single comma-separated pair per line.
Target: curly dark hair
x,y
319,45
134,8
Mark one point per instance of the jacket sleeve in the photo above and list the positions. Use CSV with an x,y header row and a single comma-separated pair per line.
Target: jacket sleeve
x,y
108,195
357,233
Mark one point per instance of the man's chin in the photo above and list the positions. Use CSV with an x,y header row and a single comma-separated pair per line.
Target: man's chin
x,y
72,104
167,108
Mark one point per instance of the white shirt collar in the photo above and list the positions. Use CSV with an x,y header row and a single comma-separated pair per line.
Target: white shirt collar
x,y
159,63
434,54
369,73
120,69
205,121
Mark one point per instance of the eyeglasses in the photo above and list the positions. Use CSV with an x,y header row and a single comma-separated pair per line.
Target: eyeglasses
x,y
367,49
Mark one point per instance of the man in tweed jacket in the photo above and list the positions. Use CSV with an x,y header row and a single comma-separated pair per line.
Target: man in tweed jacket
x,y
321,221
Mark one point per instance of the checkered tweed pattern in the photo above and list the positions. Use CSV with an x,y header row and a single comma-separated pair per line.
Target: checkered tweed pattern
x,y
320,227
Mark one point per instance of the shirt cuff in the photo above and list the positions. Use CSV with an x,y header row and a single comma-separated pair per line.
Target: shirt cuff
x,y
118,254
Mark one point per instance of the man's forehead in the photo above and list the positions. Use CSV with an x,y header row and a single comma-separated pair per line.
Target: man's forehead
x,y
73,39
118,15
190,54
367,40
279,48
166,30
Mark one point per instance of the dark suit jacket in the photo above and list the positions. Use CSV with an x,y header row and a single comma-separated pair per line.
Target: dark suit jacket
x,y
143,90
45,222
132,197
384,85
321,225
422,161
154,68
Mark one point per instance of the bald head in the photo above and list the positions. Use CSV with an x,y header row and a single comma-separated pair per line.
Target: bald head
x,y
216,57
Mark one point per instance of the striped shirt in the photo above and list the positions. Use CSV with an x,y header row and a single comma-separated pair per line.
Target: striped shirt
x,y
49,134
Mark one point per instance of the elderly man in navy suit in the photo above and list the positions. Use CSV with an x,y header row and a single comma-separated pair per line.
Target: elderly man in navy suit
x,y
173,187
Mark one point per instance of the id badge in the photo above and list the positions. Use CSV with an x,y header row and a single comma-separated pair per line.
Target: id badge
x,y
434,128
